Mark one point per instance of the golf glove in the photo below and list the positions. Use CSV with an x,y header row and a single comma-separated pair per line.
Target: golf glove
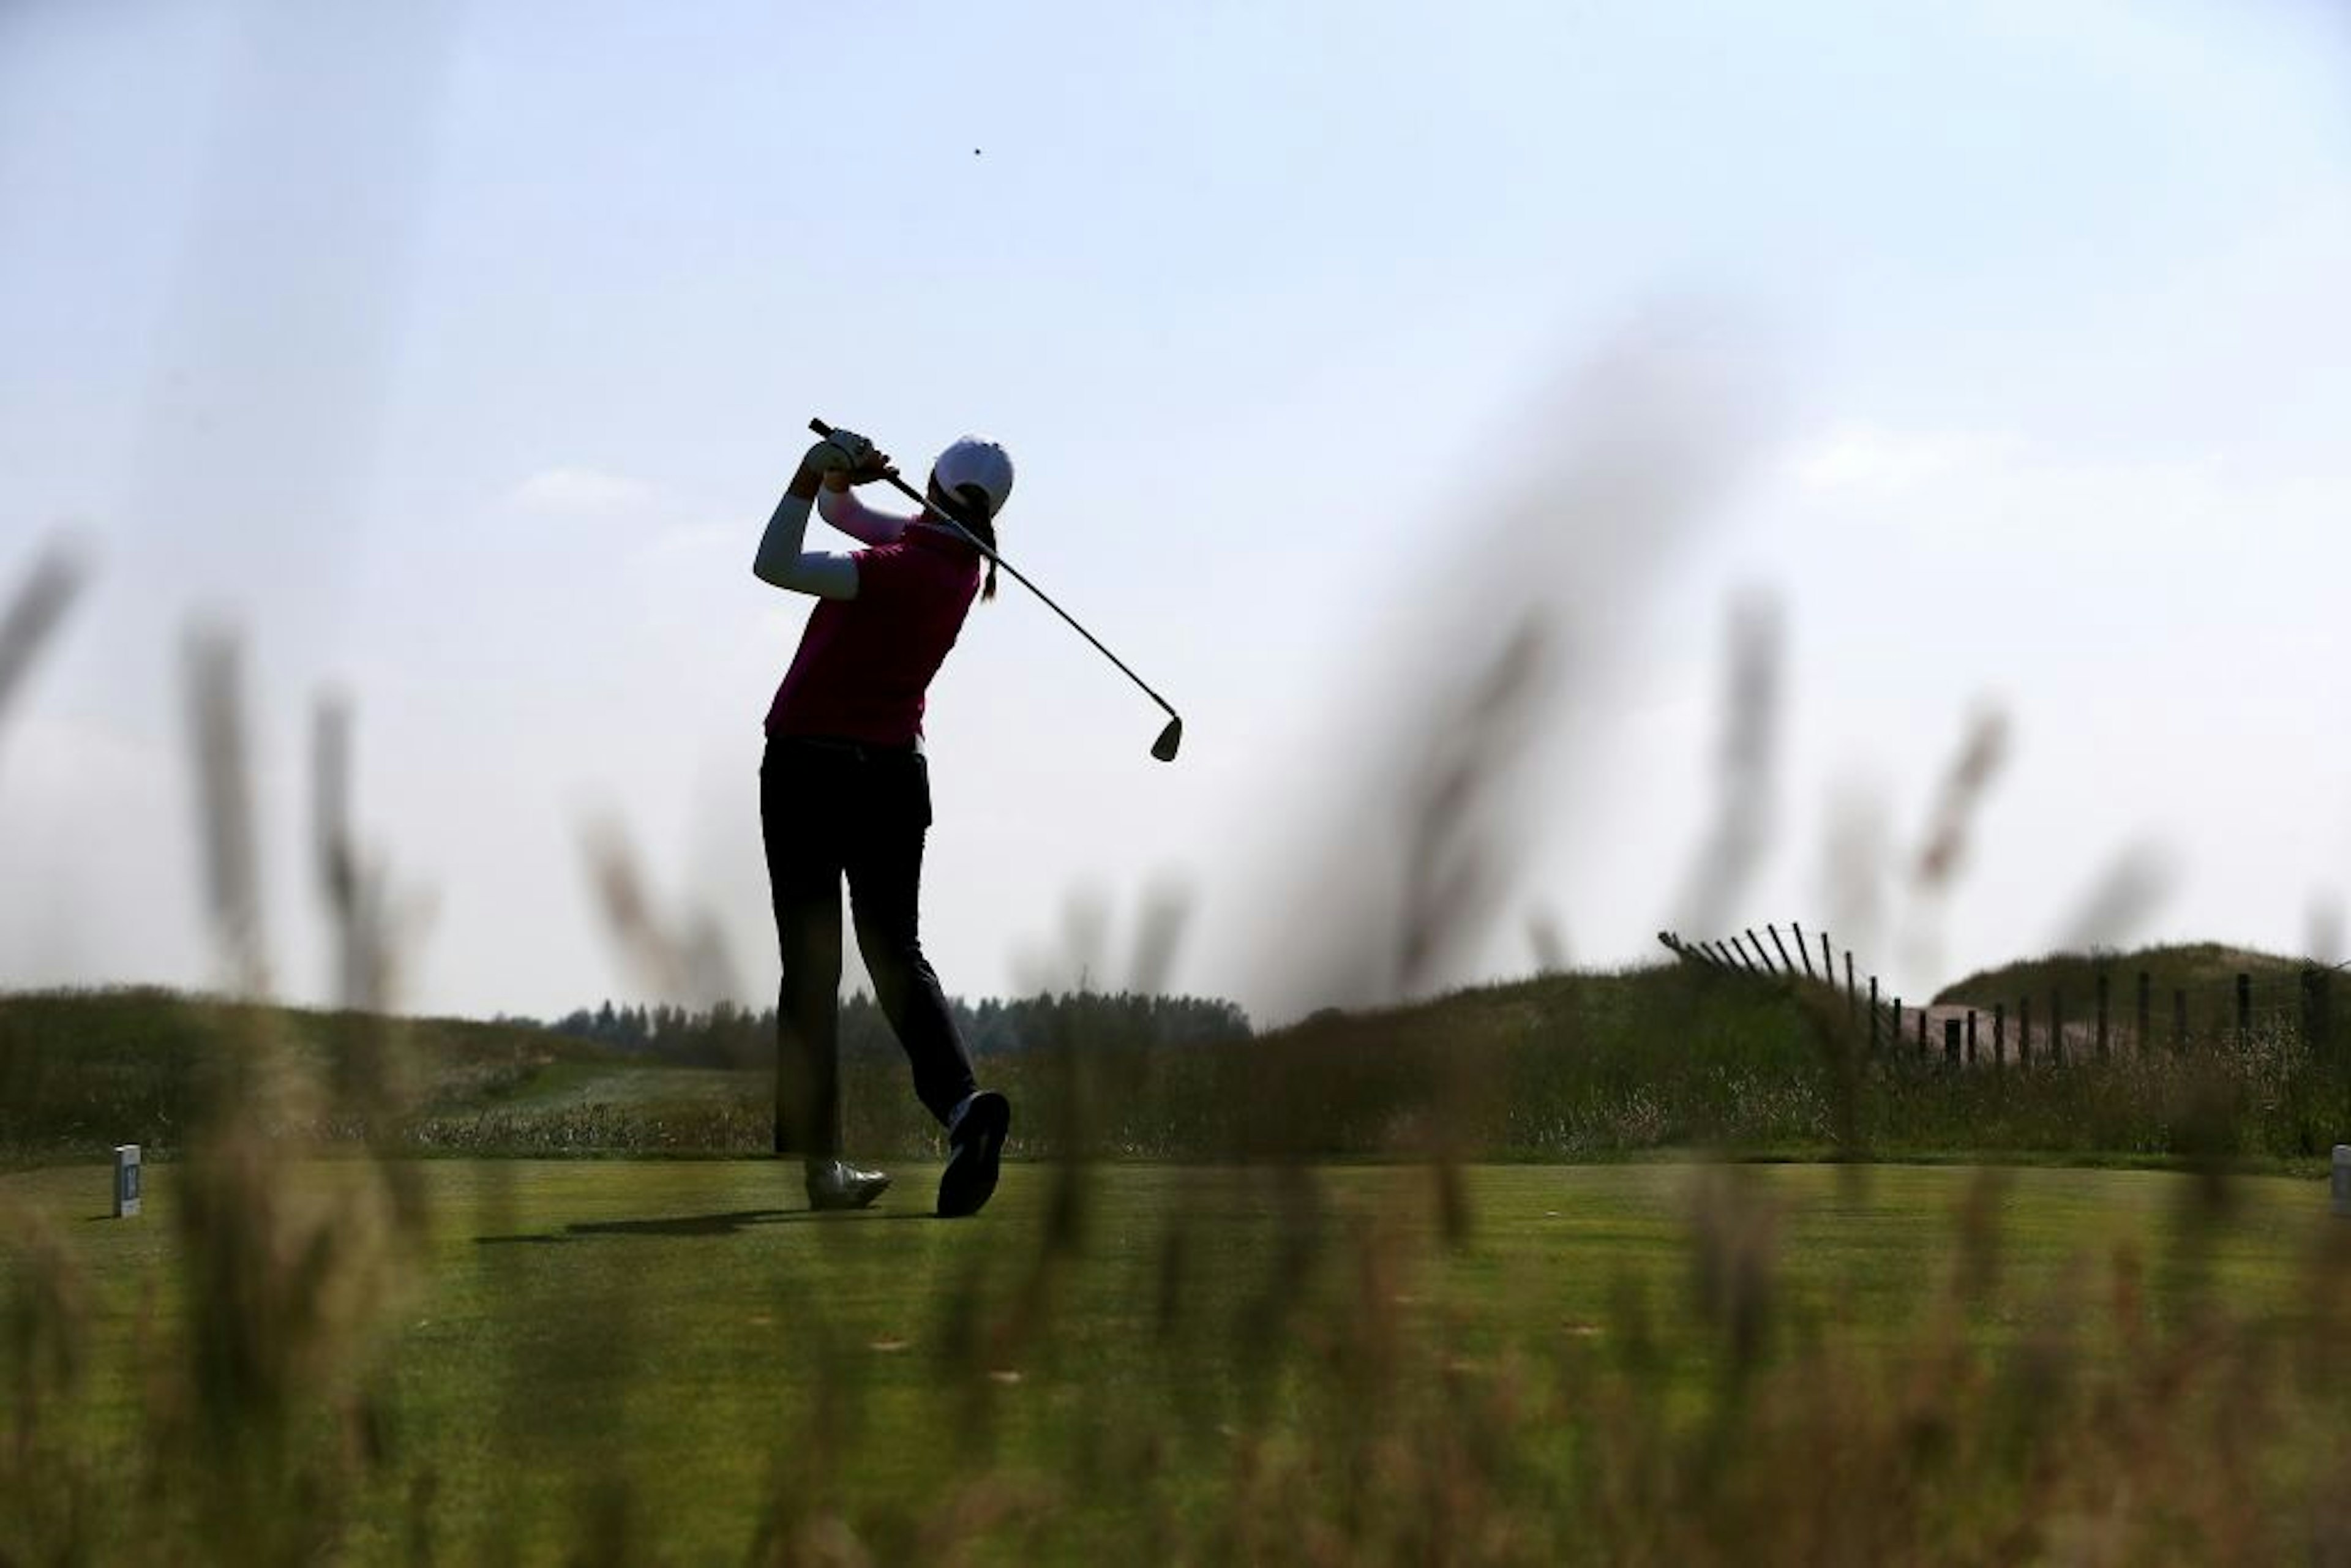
x,y
845,452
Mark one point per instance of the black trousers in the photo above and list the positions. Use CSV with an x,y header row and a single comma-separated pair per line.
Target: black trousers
x,y
831,810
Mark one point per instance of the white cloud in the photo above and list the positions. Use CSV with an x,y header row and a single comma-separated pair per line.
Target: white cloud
x,y
578,492
1858,457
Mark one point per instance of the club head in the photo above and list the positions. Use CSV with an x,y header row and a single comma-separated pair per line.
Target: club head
x,y
1169,739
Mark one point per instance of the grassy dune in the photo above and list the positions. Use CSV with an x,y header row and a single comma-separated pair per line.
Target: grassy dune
x,y
2206,970
80,1072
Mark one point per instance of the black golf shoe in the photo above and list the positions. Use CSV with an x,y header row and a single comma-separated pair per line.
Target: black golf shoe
x,y
975,1149
835,1184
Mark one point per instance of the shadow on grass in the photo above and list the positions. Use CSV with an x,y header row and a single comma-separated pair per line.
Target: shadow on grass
x,y
733,1224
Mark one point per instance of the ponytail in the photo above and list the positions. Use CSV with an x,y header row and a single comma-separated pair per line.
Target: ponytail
x,y
969,507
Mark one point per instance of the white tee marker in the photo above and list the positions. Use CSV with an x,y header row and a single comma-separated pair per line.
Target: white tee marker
x,y
125,1180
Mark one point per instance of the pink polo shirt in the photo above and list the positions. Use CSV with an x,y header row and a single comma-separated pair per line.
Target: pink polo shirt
x,y
864,663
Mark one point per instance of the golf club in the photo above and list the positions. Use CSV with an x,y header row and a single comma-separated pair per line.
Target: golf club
x,y
1163,748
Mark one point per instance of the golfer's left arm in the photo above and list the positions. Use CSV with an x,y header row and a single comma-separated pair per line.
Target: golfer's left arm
x,y
781,561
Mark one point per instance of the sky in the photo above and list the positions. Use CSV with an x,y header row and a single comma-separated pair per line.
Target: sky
x,y
1986,361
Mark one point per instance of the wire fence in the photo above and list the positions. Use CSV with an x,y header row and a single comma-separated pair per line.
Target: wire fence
x,y
2121,1011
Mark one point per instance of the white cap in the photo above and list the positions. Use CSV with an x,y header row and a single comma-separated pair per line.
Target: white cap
x,y
972,461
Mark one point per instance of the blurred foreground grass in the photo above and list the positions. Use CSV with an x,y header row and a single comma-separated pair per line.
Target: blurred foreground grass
x,y
661,1362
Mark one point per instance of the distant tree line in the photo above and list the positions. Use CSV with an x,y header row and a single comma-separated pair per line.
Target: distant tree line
x,y
729,1035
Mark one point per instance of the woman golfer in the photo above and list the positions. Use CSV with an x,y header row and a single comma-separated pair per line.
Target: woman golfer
x,y
844,791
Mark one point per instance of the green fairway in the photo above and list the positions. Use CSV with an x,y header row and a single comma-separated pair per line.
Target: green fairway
x,y
679,1357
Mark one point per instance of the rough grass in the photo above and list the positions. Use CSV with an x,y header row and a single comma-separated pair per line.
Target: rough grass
x,y
1577,1066
1567,1067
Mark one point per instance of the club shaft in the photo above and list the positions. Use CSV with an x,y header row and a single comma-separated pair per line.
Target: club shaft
x,y
1018,575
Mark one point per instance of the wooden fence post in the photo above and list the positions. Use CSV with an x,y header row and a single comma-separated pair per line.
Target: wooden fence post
x,y
1852,995
1999,1034
2024,1030
2244,1009
1894,1041
2320,1027
1922,1034
1951,1042
1782,946
2102,1014
2142,1044
1971,1037
2327,1015
1801,951
1872,1015
1828,963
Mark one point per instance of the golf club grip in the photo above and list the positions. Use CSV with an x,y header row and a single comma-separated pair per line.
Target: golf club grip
x,y
824,430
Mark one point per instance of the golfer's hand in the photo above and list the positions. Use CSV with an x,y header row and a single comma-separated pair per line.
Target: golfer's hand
x,y
846,458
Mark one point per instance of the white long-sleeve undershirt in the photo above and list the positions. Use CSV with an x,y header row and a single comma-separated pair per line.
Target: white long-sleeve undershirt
x,y
780,560
828,574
